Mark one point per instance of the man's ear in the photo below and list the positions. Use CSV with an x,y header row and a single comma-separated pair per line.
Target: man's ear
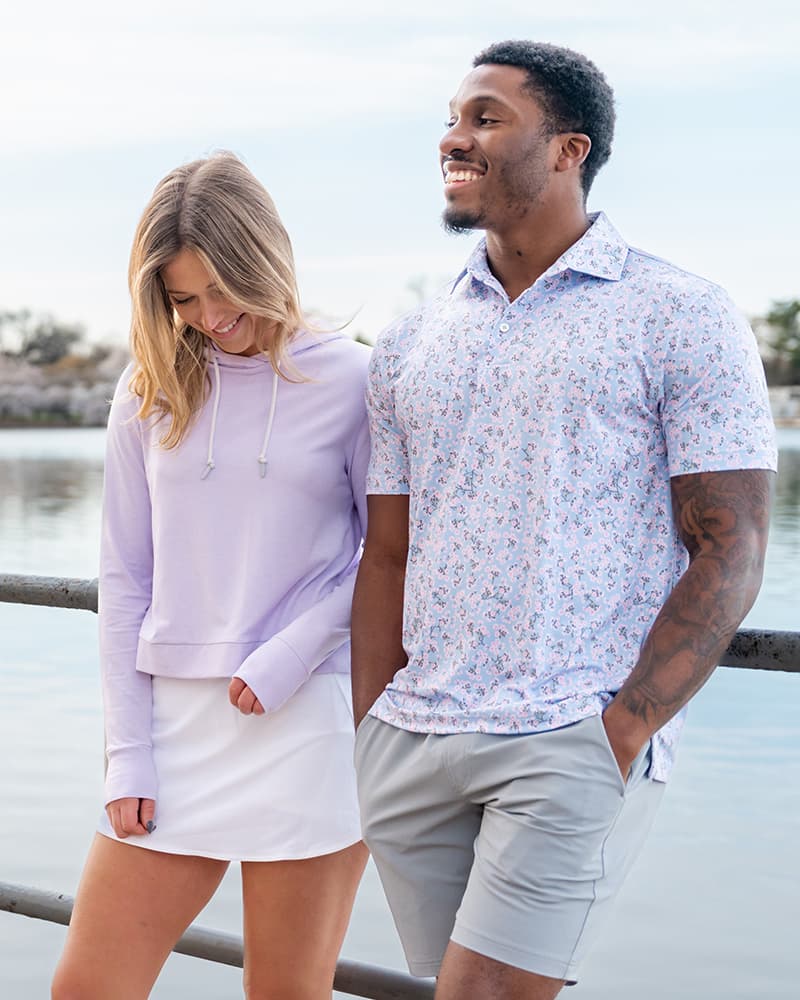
x,y
573,149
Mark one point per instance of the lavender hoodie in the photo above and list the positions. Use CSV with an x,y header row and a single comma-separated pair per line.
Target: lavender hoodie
x,y
233,554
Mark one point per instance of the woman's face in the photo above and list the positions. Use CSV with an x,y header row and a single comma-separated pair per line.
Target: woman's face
x,y
199,302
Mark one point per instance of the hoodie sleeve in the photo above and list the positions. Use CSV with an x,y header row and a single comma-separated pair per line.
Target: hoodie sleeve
x,y
280,666
125,587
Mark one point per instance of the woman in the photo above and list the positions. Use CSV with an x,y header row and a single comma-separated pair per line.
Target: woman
x,y
233,518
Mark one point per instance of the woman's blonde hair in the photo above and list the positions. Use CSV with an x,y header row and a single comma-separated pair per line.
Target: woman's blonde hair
x,y
216,208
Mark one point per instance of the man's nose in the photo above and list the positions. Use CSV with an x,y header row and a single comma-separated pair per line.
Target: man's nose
x,y
456,139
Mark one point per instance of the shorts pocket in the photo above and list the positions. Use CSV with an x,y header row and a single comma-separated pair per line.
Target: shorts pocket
x,y
602,737
361,725
360,730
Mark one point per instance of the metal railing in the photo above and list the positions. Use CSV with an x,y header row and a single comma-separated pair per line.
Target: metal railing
x,y
354,978
751,649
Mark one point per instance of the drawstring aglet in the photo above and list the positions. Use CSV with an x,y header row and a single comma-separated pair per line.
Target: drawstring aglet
x,y
207,471
263,463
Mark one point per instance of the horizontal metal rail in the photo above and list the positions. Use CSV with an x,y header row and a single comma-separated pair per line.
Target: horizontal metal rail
x,y
756,649
357,979
49,591
752,649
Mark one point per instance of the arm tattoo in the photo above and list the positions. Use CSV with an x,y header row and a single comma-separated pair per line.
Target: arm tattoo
x,y
722,519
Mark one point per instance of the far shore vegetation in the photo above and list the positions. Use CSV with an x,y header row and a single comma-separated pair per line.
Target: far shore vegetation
x,y
50,376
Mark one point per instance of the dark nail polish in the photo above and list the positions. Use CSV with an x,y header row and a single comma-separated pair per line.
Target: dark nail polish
x,y
150,826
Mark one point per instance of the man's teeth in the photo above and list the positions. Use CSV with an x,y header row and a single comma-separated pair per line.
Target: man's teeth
x,y
461,175
229,327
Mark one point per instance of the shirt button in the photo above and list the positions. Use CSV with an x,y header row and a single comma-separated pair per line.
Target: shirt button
x,y
504,328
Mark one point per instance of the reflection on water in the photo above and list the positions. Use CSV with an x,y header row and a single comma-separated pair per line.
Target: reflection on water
x,y
49,517
787,497
50,495
709,913
35,489
777,605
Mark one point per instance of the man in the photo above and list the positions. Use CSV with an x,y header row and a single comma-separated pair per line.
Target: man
x,y
570,488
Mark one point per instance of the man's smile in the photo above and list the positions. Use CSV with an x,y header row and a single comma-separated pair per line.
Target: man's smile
x,y
458,172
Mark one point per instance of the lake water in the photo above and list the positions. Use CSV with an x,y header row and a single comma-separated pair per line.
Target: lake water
x,y
710,912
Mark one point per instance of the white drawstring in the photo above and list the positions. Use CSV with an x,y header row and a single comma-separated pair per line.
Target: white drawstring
x,y
262,458
210,459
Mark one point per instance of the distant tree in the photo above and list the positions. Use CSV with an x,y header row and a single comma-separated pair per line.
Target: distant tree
x,y
42,340
48,341
783,326
45,381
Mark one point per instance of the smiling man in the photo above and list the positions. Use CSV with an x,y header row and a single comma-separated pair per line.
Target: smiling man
x,y
569,499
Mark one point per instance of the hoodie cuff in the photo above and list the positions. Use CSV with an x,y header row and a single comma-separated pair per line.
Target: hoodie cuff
x,y
274,672
131,773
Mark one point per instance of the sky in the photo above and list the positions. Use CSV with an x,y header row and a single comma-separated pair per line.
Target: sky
x,y
338,109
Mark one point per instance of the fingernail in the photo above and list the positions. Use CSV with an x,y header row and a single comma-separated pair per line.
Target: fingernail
x,y
150,826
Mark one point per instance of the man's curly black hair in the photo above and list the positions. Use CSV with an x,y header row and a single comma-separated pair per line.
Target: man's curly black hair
x,y
574,95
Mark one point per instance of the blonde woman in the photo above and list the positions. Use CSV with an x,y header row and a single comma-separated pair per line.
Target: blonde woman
x,y
232,524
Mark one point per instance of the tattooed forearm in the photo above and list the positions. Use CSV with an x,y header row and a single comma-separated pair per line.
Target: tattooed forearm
x,y
722,519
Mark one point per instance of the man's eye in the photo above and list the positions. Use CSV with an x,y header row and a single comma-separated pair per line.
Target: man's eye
x,y
487,121
450,123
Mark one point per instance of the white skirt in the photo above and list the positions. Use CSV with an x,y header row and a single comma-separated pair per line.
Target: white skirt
x,y
252,787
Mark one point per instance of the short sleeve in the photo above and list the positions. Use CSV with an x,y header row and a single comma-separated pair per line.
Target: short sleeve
x,y
388,467
715,408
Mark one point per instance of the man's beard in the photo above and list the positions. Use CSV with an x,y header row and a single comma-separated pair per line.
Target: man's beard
x,y
459,222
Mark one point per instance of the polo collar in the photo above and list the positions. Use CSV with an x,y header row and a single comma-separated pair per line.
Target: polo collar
x,y
601,252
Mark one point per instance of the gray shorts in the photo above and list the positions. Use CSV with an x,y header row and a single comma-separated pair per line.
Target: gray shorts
x,y
511,846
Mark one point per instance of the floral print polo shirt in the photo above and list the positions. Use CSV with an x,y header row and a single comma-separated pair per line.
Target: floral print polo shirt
x,y
536,439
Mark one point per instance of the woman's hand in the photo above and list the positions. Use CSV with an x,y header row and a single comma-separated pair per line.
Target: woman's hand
x,y
242,697
131,817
